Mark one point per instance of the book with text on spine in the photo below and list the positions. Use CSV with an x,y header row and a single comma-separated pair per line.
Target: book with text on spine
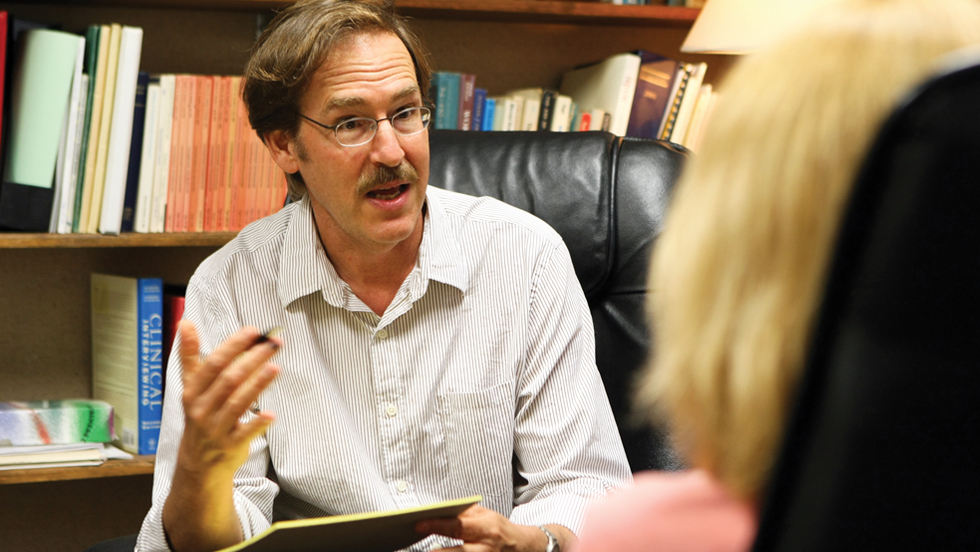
x,y
368,532
127,355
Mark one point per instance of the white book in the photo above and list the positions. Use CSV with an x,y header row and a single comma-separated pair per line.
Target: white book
x,y
597,117
608,85
77,161
144,189
518,111
702,112
530,111
688,100
561,113
505,113
121,133
63,206
161,173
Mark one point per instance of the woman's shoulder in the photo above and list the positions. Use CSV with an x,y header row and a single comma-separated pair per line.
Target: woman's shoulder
x,y
671,512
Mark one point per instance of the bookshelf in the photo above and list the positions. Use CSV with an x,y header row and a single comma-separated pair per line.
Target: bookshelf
x,y
45,349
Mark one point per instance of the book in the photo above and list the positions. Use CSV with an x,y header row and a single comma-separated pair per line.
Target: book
x,y
505,113
181,153
446,94
561,113
467,85
121,130
201,134
688,99
135,153
582,121
674,103
529,106
147,166
161,172
127,370
479,107
368,532
49,456
4,66
653,86
489,109
546,111
60,422
173,312
64,195
105,129
97,81
40,94
608,85
702,112
217,147
88,69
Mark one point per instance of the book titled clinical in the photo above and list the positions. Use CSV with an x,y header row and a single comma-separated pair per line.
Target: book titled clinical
x,y
127,356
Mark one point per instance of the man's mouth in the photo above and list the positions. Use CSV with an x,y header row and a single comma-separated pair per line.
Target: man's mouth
x,y
387,193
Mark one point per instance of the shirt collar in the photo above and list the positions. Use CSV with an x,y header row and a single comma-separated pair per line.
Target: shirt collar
x,y
304,267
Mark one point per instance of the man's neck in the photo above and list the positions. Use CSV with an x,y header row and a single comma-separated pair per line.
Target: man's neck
x,y
375,276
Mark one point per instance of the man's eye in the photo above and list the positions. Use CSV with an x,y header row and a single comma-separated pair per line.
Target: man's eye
x,y
405,114
350,124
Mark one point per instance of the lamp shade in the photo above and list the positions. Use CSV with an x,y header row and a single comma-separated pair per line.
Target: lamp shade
x,y
744,26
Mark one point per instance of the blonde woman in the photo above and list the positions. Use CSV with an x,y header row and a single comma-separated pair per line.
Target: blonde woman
x,y
739,269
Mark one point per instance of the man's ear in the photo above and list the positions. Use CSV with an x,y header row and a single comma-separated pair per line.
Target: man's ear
x,y
285,151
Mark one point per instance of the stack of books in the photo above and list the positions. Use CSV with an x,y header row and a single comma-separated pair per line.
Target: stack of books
x,y
94,145
44,434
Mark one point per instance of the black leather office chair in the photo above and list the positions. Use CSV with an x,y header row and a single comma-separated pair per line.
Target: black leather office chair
x,y
607,197
883,451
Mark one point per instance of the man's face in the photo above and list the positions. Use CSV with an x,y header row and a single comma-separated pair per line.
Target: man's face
x,y
368,198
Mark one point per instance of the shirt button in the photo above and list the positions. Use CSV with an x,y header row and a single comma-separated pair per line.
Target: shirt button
x,y
382,334
392,410
402,486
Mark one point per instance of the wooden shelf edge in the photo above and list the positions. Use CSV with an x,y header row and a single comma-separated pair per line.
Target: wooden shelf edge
x,y
167,239
139,465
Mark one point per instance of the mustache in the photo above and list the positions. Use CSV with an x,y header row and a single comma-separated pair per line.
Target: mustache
x,y
383,174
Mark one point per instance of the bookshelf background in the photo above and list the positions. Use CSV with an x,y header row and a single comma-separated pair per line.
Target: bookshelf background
x,y
45,343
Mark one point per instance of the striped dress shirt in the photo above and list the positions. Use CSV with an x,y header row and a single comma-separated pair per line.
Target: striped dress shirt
x,y
479,378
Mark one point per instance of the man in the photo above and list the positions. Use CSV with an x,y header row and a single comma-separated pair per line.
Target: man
x,y
433,345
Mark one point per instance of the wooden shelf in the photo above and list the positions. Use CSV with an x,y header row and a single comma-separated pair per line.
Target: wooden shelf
x,y
139,465
526,11
167,239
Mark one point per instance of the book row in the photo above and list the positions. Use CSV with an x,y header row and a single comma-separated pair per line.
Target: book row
x,y
134,322
640,94
93,144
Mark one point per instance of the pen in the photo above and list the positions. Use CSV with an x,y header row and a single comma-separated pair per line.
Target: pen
x,y
269,334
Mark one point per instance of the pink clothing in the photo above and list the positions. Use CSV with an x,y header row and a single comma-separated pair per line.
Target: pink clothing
x,y
669,512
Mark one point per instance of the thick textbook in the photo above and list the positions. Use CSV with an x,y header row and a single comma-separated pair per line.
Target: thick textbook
x,y
28,423
127,355
369,532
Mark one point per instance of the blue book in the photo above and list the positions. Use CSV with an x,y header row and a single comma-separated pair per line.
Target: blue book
x,y
135,153
150,309
446,88
479,99
489,107
652,97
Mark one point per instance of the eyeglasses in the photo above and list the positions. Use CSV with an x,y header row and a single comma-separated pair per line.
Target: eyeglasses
x,y
361,130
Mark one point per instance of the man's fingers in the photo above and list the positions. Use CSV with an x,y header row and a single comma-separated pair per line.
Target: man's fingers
x,y
246,432
228,380
223,356
189,355
238,403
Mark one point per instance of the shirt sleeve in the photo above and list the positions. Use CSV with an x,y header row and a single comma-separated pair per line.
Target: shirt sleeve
x,y
254,492
567,446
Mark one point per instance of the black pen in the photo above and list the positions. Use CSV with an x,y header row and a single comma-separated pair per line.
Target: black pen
x,y
269,334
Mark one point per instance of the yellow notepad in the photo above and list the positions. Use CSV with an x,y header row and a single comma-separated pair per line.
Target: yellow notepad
x,y
368,532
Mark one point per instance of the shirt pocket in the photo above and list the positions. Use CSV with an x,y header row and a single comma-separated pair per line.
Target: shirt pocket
x,y
479,436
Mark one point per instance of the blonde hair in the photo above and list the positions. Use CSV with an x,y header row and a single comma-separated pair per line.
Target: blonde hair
x,y
739,268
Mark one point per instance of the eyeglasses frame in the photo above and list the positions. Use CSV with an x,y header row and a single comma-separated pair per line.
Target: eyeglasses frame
x,y
377,122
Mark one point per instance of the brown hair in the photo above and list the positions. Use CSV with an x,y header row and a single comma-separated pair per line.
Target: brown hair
x,y
739,269
295,45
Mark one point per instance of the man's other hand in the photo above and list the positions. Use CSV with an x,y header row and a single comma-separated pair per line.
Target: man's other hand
x,y
483,530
